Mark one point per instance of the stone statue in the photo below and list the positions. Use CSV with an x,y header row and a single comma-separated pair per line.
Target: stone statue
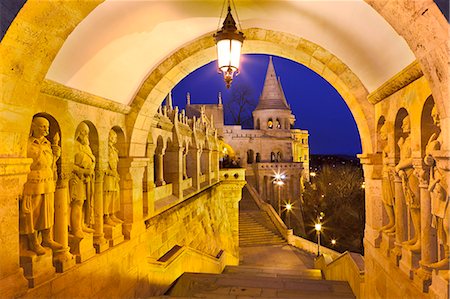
x,y
410,184
438,188
36,207
387,183
111,196
81,184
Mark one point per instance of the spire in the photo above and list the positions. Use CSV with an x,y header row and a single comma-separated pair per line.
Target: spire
x,y
220,98
169,100
188,98
272,96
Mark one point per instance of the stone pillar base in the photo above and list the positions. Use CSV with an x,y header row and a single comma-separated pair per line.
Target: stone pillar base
x,y
14,285
409,262
396,254
114,234
63,260
131,230
83,249
440,284
100,244
422,279
387,243
37,268
373,236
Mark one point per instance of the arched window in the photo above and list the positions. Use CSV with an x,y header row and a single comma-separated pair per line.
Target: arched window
x,y
270,123
278,124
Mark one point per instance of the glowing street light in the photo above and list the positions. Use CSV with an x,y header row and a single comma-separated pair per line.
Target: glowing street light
x,y
278,180
288,211
318,227
229,42
333,242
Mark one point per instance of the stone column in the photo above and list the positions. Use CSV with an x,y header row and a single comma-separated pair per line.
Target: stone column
x,y
173,170
100,243
62,258
428,233
215,164
160,169
193,167
131,171
149,185
401,226
230,189
206,164
372,166
13,174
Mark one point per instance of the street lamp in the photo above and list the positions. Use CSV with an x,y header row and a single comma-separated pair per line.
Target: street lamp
x,y
288,211
333,242
318,227
279,183
229,43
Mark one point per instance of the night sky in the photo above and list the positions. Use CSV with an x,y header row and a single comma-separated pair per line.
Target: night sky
x,y
316,105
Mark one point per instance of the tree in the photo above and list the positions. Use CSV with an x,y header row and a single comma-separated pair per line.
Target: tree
x,y
240,106
337,191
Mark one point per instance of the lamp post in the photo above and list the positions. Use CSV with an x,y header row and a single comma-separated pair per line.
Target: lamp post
x,y
288,211
279,183
318,227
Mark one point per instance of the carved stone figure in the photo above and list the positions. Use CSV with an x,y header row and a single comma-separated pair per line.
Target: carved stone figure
x,y
387,183
410,184
439,195
81,184
37,204
111,196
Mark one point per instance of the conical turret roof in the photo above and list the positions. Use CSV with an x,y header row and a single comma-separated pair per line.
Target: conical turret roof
x,y
272,96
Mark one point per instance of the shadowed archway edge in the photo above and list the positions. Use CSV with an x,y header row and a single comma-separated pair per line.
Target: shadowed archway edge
x,y
260,41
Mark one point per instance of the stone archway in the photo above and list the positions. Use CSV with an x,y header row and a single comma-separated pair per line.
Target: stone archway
x,y
260,41
38,32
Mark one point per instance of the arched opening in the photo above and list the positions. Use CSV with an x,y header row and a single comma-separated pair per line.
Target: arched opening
x,y
270,123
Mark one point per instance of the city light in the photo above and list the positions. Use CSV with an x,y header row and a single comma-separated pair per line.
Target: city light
x,y
288,207
333,242
318,227
313,174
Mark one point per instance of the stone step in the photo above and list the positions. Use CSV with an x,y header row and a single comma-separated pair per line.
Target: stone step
x,y
233,285
314,274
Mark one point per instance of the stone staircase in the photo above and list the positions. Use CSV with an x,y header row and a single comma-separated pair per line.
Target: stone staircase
x,y
256,229
255,226
269,267
259,282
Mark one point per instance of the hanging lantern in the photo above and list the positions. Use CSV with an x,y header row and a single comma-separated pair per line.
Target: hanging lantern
x,y
229,42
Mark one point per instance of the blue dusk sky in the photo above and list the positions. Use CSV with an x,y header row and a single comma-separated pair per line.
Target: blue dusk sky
x,y
317,106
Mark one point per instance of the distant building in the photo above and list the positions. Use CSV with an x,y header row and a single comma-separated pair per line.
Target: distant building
x,y
272,146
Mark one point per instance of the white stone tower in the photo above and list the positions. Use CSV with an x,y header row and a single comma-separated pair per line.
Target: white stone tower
x,y
272,112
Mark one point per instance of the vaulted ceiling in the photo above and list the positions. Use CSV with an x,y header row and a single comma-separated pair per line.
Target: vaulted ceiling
x,y
112,51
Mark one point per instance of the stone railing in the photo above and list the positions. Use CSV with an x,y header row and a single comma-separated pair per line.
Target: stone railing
x,y
229,174
278,166
348,266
